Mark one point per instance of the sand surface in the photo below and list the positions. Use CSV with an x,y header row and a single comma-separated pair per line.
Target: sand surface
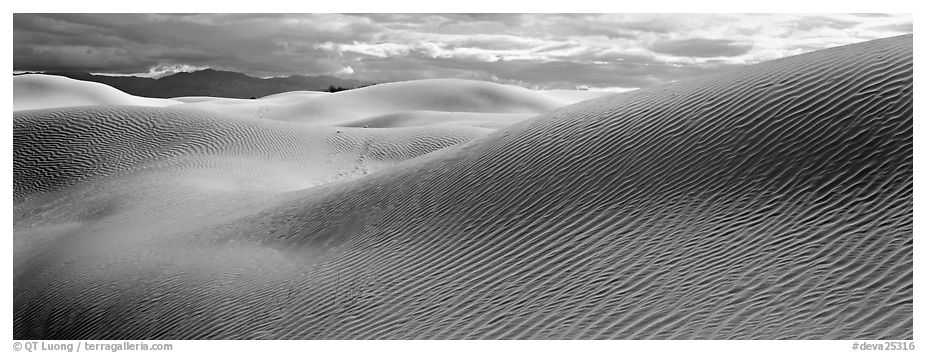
x,y
771,202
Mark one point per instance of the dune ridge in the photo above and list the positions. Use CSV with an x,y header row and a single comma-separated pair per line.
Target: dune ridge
x,y
773,202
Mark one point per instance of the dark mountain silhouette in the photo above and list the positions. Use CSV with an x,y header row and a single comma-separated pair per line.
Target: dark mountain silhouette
x,y
215,83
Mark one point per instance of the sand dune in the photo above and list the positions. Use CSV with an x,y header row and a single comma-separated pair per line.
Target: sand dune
x,y
399,100
432,118
293,95
773,202
59,148
285,97
200,99
36,91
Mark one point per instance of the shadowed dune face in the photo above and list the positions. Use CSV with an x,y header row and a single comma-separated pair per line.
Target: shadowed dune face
x,y
771,203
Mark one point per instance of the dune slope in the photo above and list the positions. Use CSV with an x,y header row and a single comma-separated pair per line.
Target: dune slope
x,y
773,202
117,177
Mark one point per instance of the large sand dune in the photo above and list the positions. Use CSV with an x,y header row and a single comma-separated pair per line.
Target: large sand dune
x,y
773,202
60,147
481,101
37,91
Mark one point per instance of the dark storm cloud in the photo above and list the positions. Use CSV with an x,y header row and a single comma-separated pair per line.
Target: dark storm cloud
x,y
536,50
701,48
258,44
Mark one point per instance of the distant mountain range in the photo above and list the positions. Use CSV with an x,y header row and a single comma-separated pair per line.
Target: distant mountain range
x,y
215,83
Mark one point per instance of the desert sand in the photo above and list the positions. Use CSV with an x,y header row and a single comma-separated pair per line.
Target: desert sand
x,y
769,202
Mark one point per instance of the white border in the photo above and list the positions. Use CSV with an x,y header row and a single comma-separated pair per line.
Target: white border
x,y
789,6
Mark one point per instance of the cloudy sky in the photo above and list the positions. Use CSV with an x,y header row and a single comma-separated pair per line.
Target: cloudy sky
x,y
600,51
